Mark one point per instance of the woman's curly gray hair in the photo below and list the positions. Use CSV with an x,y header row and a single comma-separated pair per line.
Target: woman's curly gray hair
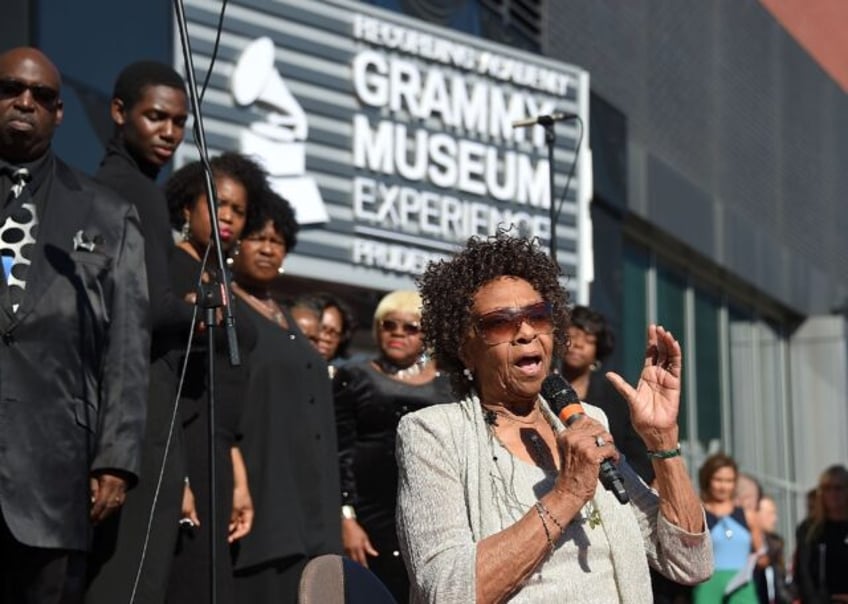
x,y
448,287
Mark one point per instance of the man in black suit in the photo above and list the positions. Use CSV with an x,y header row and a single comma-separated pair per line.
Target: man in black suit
x,y
73,345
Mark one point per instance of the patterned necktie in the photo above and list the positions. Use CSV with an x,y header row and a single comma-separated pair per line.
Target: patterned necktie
x,y
17,236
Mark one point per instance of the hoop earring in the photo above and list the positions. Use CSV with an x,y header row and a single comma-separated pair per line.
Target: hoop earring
x,y
185,231
596,366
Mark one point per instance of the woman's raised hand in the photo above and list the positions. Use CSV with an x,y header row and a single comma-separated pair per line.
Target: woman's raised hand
x,y
655,401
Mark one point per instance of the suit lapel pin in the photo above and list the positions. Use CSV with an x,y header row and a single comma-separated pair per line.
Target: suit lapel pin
x,y
82,242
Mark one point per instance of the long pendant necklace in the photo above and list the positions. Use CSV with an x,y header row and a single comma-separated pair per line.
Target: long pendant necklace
x,y
539,447
267,306
540,452
728,532
535,443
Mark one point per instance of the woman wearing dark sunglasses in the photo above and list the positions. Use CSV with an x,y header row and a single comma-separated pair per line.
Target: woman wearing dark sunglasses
x,y
497,500
370,399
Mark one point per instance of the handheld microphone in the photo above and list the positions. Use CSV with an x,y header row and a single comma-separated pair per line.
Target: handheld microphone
x,y
543,120
565,403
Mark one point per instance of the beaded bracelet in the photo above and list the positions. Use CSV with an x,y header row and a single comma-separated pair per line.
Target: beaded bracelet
x,y
551,516
667,454
539,507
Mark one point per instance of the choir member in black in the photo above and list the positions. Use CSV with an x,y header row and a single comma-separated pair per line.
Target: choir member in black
x,y
307,311
74,352
823,548
370,398
289,437
240,185
149,111
337,327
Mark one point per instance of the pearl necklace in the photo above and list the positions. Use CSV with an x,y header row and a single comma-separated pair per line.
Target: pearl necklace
x,y
389,368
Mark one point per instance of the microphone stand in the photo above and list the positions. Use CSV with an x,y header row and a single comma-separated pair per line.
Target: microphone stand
x,y
212,295
548,122
550,141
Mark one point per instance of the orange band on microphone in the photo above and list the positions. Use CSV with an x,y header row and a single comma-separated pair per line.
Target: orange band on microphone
x,y
569,411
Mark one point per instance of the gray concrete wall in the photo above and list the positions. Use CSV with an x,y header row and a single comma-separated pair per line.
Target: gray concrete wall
x,y
736,137
819,376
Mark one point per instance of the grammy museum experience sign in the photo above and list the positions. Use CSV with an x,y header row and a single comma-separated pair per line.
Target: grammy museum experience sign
x,y
393,139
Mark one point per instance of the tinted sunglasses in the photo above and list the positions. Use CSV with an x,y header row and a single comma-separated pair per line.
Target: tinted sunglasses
x,y
331,332
502,325
410,329
43,95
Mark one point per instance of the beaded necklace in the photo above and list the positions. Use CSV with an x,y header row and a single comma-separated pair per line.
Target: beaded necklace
x,y
401,373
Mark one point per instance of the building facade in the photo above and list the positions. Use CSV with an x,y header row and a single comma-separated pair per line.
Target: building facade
x,y
708,191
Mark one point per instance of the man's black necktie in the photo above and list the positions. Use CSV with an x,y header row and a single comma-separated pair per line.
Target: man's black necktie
x,y
17,235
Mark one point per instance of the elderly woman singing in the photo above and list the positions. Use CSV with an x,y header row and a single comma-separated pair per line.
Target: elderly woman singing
x,y
497,500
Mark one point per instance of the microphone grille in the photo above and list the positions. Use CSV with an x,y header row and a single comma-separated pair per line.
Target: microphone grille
x,y
558,392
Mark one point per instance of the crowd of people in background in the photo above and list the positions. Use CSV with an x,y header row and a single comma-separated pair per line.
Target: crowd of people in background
x,y
108,496
752,560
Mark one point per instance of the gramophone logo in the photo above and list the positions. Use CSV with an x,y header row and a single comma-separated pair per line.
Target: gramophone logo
x,y
279,141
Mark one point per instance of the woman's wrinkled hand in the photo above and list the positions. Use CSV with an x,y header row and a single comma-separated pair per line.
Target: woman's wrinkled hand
x,y
655,402
583,445
357,545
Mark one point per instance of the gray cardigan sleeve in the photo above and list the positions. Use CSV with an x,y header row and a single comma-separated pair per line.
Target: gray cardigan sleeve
x,y
683,557
432,515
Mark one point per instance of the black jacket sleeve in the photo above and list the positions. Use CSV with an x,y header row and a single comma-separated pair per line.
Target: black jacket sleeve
x,y
349,394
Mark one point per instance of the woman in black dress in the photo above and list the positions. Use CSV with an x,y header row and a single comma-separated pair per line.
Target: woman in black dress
x,y
289,437
370,399
823,546
240,185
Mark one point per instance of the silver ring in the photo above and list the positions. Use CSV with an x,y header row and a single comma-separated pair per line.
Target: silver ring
x,y
599,440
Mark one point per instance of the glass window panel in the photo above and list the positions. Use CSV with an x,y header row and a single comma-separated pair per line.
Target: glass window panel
x,y
707,366
744,387
634,321
771,403
671,314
